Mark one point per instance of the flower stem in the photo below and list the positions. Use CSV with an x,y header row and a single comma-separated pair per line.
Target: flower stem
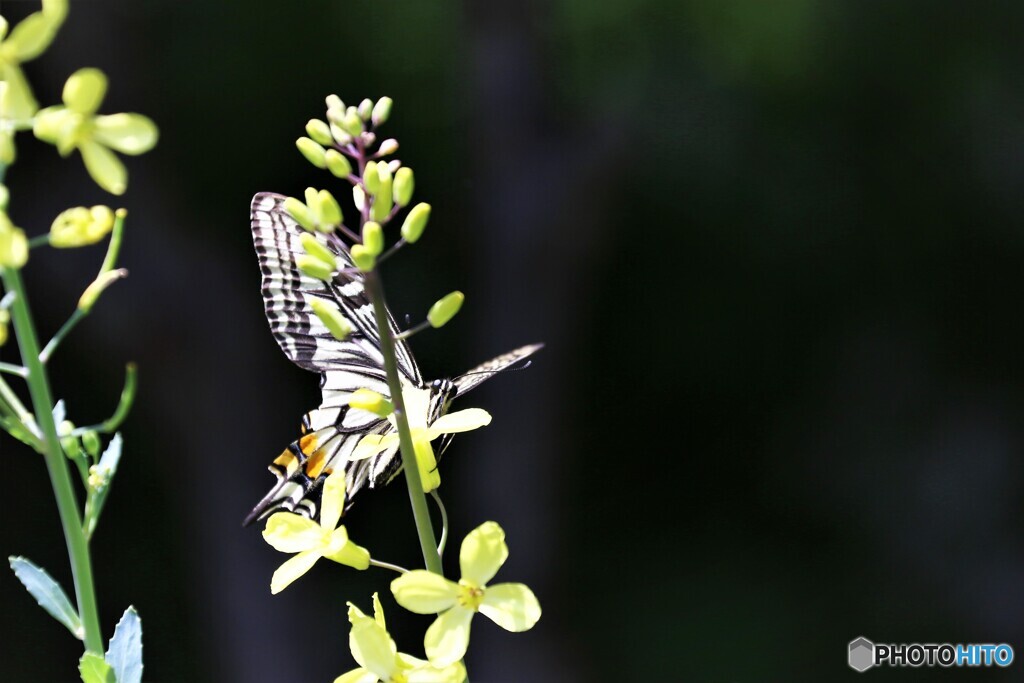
x,y
56,463
418,499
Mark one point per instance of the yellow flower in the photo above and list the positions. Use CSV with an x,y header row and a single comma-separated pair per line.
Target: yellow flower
x,y
75,125
379,659
417,409
292,533
25,42
511,606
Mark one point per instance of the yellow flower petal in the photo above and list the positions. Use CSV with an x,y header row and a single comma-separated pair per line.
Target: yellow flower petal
x,y
18,101
373,444
417,404
332,503
359,675
104,167
126,133
378,611
482,554
344,551
13,248
85,90
460,421
512,606
293,569
373,648
428,673
424,592
427,465
291,533
30,37
448,637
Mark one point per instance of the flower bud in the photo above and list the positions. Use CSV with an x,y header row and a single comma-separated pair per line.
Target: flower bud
x,y
79,226
358,197
331,317
351,123
92,443
334,102
415,222
13,245
313,152
381,111
338,164
363,257
330,210
371,179
371,401
445,309
314,267
389,146
403,186
365,109
394,165
368,139
373,237
339,134
72,448
317,250
382,197
319,131
300,212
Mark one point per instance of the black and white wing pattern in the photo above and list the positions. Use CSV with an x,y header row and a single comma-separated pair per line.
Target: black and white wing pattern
x,y
331,432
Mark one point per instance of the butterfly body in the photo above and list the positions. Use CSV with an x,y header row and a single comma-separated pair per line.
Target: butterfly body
x,y
331,432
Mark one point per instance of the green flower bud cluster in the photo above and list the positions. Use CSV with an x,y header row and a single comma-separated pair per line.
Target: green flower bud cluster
x,y
320,212
79,226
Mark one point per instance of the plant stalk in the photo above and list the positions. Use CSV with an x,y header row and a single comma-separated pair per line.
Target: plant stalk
x,y
56,463
418,499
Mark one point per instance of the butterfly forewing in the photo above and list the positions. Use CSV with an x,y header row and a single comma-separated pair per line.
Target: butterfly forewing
x,y
332,431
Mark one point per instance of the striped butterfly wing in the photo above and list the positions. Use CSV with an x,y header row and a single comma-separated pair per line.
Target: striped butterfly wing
x,y
331,431
469,380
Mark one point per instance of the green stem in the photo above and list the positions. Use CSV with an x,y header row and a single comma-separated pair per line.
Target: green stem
x,y
56,463
65,329
418,499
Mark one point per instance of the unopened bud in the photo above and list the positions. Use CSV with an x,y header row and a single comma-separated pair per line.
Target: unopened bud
x,y
415,222
365,109
79,226
389,146
403,186
373,237
338,164
331,317
339,134
330,210
358,197
334,102
317,250
371,401
382,197
351,123
300,212
445,309
319,131
381,111
92,443
313,152
371,179
314,267
363,257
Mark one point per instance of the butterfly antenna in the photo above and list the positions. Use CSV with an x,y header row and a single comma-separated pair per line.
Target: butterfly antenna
x,y
525,363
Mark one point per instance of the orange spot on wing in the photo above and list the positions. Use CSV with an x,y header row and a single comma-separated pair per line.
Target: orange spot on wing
x,y
315,464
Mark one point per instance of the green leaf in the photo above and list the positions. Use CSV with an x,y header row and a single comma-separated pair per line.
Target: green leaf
x,y
125,651
94,669
48,594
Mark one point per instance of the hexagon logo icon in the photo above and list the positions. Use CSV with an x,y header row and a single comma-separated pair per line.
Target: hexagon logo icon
x,y
862,654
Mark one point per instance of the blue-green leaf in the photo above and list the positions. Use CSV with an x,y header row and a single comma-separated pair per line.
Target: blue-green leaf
x,y
48,593
125,651
94,669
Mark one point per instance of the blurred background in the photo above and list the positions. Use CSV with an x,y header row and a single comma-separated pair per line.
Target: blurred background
x,y
774,249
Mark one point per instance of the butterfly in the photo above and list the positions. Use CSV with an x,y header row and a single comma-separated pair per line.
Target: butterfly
x,y
331,432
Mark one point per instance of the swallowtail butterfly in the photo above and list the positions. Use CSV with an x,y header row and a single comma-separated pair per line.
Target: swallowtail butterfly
x,y
330,432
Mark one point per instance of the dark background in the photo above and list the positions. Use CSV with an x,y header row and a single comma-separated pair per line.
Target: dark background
x,y
774,249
